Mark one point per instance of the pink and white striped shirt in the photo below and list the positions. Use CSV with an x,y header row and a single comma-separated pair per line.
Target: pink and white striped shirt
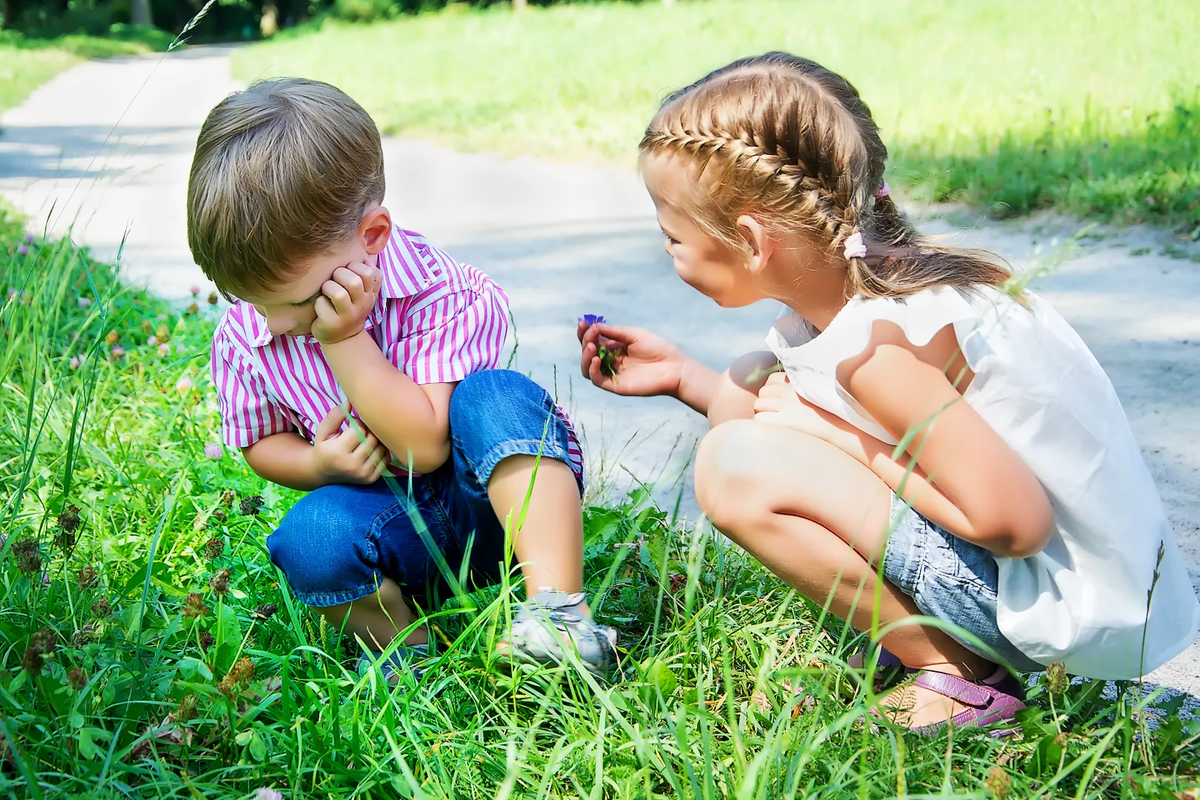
x,y
436,320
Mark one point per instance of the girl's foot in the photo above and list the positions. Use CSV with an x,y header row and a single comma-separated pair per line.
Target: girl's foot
x,y
933,700
550,622
888,669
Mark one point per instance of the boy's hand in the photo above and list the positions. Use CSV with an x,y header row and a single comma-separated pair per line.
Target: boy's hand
x,y
346,456
345,302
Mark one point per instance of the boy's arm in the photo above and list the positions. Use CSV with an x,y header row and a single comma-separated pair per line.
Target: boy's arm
x,y
336,456
411,420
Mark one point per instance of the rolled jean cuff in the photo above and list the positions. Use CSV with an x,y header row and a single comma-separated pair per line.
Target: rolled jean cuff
x,y
545,448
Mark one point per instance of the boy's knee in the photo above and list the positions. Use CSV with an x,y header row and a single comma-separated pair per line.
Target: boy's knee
x,y
482,394
323,549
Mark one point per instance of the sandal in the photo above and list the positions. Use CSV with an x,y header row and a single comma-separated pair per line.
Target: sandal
x,y
888,669
989,702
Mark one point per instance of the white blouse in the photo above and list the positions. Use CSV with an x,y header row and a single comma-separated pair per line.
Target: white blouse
x,y
1082,600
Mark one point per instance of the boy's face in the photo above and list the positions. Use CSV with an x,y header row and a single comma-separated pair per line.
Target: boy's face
x,y
290,307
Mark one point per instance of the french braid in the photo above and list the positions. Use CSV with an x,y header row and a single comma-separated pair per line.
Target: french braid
x,y
785,138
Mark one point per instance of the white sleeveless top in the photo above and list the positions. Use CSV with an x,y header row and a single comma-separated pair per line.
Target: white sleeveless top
x,y
1082,600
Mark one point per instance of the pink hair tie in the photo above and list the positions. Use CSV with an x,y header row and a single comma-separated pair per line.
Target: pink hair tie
x,y
855,247
884,190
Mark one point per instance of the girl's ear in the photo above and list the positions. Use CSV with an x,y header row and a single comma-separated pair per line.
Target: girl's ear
x,y
759,242
375,229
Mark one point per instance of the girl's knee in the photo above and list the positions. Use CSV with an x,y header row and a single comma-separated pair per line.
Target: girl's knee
x,y
728,469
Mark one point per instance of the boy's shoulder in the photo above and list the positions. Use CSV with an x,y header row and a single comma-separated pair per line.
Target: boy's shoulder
x,y
240,328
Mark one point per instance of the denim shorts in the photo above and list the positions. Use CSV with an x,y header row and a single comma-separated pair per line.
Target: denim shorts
x,y
951,579
339,542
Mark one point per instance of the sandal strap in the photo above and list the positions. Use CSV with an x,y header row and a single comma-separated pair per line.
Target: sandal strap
x,y
964,691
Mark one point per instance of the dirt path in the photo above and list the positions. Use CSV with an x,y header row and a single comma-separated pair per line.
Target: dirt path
x,y
565,240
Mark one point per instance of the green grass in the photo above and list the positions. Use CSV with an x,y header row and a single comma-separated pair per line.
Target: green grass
x,y
1085,107
109,690
26,63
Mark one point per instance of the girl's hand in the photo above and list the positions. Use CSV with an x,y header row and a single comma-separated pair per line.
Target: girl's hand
x,y
779,404
345,302
347,456
645,364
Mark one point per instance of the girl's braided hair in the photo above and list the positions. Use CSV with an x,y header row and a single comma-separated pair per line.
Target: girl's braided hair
x,y
786,139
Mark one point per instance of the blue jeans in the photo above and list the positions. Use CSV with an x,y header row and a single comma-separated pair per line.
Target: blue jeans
x,y
339,542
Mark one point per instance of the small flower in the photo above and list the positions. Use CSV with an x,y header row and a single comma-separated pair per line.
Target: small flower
x,y
855,247
219,515
88,633
219,583
86,578
268,794
152,341
213,298
77,679
44,639
147,327
227,498
1056,678
195,290
102,608
163,333
193,605
69,520
998,782
193,310
84,302
12,293
207,640
265,611
112,338
116,354
164,350
237,676
29,557
213,548
186,710
23,250
183,385
251,505
74,362
33,660
28,238
213,451
592,319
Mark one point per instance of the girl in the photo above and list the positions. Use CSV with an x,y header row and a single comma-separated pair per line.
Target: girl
x,y
1016,508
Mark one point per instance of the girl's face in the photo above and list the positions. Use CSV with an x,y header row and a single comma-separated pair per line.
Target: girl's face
x,y
705,263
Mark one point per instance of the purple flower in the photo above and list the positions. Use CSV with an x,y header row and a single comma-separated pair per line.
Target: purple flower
x,y
74,362
195,290
23,250
152,341
116,353
164,350
84,302
12,293
268,794
183,385
213,451
593,319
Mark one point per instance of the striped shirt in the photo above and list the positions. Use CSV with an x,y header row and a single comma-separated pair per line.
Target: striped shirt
x,y
436,320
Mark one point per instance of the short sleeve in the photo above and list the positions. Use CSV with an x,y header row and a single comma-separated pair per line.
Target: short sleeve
x,y
247,412
451,330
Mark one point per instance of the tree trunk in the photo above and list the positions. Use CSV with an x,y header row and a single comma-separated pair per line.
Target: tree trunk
x,y
139,12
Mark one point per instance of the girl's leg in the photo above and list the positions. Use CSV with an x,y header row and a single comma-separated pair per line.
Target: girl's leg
x,y
818,518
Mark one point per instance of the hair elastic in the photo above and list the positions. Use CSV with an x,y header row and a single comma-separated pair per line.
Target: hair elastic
x,y
884,190
855,247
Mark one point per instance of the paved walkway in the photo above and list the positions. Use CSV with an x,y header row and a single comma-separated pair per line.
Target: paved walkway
x,y
565,240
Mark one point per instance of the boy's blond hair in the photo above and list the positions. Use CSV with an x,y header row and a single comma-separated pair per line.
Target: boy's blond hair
x,y
283,171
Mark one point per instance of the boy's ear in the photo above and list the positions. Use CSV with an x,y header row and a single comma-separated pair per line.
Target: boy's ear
x,y
375,229
758,241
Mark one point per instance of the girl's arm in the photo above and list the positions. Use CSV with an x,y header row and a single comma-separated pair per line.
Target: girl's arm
x,y
999,502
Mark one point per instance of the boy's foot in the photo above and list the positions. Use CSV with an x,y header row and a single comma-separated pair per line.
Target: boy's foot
x,y
551,621
399,660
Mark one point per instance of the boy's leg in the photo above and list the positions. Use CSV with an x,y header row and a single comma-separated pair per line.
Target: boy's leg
x,y
345,551
512,463
818,519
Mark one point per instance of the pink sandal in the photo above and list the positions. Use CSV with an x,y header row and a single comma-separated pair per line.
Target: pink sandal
x,y
990,702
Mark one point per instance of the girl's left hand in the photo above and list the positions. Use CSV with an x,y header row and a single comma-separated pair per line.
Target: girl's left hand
x,y
345,302
779,404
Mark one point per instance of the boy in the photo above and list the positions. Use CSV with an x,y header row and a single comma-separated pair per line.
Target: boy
x,y
336,307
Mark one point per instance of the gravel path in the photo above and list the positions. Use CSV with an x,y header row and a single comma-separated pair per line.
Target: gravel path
x,y
565,240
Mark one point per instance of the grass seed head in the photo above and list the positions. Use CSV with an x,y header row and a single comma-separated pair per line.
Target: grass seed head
x,y
219,583
194,606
